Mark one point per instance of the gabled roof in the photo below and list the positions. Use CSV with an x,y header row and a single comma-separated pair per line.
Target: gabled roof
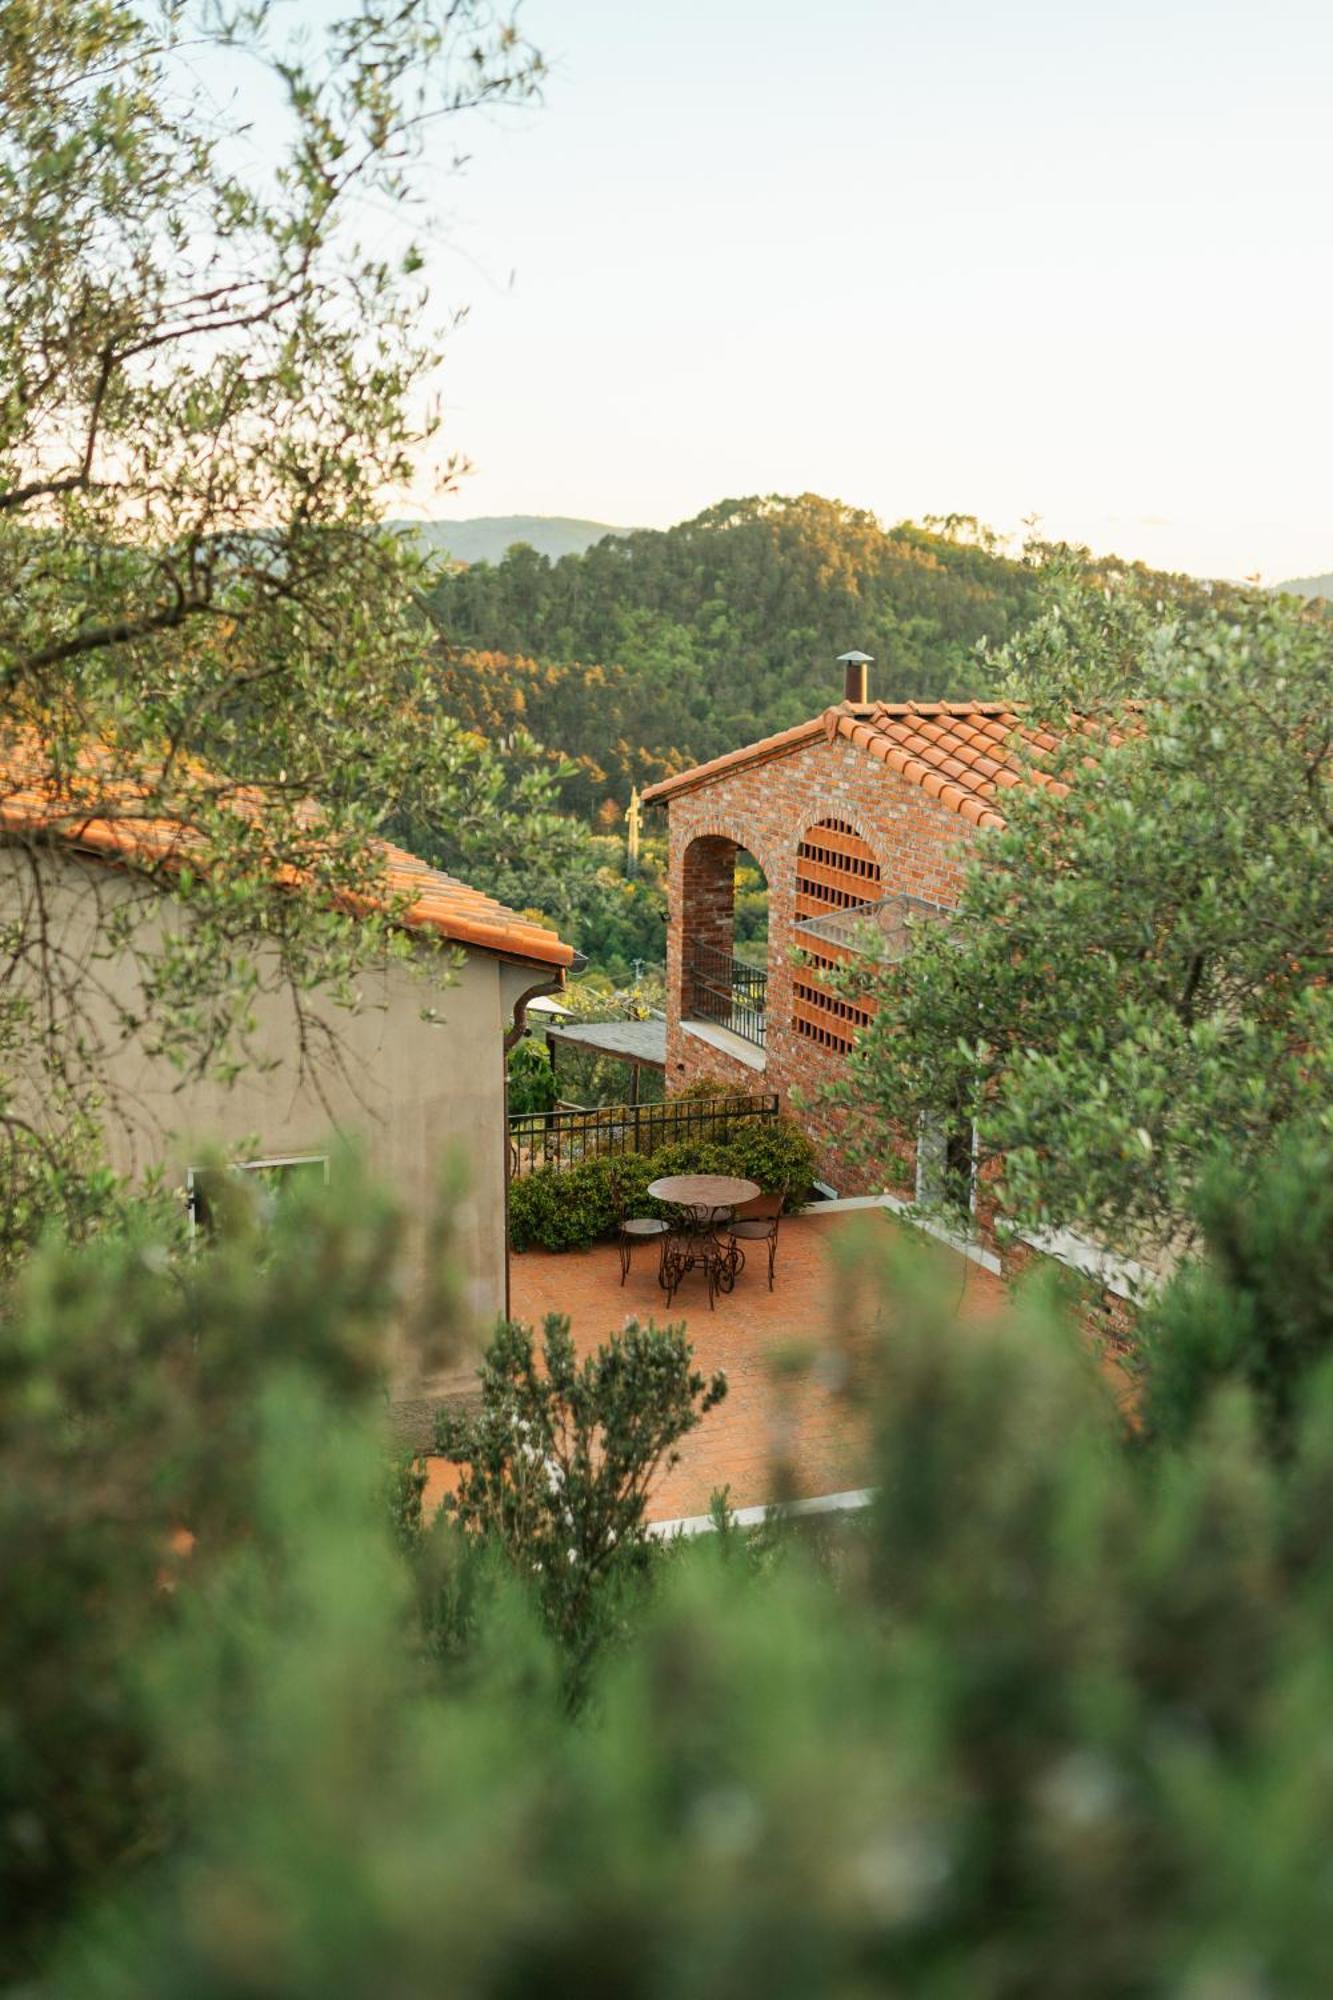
x,y
963,753
102,813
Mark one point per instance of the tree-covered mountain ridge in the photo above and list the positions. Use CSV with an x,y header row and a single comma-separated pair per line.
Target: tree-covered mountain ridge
x,y
1307,586
487,537
658,648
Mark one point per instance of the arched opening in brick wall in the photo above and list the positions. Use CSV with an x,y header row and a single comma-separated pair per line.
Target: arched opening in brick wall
x,y
835,872
724,938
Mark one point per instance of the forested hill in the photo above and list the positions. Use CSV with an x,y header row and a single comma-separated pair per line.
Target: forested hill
x,y
652,650
657,648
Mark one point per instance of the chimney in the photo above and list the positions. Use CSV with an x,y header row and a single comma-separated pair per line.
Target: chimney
x,y
856,687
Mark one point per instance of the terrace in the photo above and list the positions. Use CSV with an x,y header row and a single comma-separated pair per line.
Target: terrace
x,y
791,1356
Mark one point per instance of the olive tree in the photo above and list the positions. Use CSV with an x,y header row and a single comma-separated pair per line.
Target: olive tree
x,y
216,359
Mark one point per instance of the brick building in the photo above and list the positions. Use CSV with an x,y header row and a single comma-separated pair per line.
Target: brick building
x,y
863,814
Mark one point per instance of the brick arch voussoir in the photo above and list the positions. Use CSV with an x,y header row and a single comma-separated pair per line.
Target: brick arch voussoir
x,y
845,816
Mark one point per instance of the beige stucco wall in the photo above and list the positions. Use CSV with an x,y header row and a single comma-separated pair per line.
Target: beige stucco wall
x,y
410,1091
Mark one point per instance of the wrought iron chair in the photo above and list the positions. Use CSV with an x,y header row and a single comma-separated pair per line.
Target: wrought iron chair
x,y
632,1229
696,1240
758,1221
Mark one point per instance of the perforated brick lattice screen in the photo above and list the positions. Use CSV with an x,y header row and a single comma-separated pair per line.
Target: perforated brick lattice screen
x,y
835,870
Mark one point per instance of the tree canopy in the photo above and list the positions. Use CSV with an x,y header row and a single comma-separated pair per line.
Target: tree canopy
x,y
661,648
1138,976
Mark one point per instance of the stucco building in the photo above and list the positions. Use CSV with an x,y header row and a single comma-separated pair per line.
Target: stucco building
x,y
414,1072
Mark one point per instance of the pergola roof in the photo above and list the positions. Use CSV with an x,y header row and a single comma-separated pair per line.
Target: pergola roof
x,y
642,1043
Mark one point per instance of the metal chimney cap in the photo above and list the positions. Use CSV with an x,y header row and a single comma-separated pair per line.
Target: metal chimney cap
x,y
856,659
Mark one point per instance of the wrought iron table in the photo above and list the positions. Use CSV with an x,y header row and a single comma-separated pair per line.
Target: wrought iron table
x,y
702,1201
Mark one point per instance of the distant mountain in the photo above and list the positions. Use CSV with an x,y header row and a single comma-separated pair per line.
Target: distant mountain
x,y
486,537
656,649
1307,586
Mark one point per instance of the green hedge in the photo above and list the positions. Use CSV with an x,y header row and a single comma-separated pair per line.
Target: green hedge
x,y
568,1208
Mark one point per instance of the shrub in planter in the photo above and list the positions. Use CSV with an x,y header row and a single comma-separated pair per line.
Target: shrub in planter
x,y
772,1151
567,1208
561,1210
689,1156
776,1153
527,1201
627,1177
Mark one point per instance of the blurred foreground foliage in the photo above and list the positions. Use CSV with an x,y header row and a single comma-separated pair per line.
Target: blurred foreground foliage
x,y
1051,1717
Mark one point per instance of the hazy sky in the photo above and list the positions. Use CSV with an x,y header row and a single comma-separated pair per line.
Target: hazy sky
x,y
1040,258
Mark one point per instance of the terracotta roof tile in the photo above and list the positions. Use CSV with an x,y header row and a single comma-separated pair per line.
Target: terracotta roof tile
x,y
962,753
466,916
98,809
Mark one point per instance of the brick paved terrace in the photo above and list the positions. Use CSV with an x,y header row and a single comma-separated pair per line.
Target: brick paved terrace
x,y
787,1355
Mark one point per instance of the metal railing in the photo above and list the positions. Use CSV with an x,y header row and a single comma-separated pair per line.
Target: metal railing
x,y
727,990
564,1137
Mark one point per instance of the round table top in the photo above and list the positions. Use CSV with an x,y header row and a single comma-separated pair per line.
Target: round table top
x,y
703,1190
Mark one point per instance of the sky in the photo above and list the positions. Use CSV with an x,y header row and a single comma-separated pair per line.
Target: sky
x,y
1041,259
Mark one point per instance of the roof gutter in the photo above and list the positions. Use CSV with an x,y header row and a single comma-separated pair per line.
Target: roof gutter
x,y
514,1032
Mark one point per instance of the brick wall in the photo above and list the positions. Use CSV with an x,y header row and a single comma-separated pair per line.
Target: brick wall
x,y
1107,1316
921,848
